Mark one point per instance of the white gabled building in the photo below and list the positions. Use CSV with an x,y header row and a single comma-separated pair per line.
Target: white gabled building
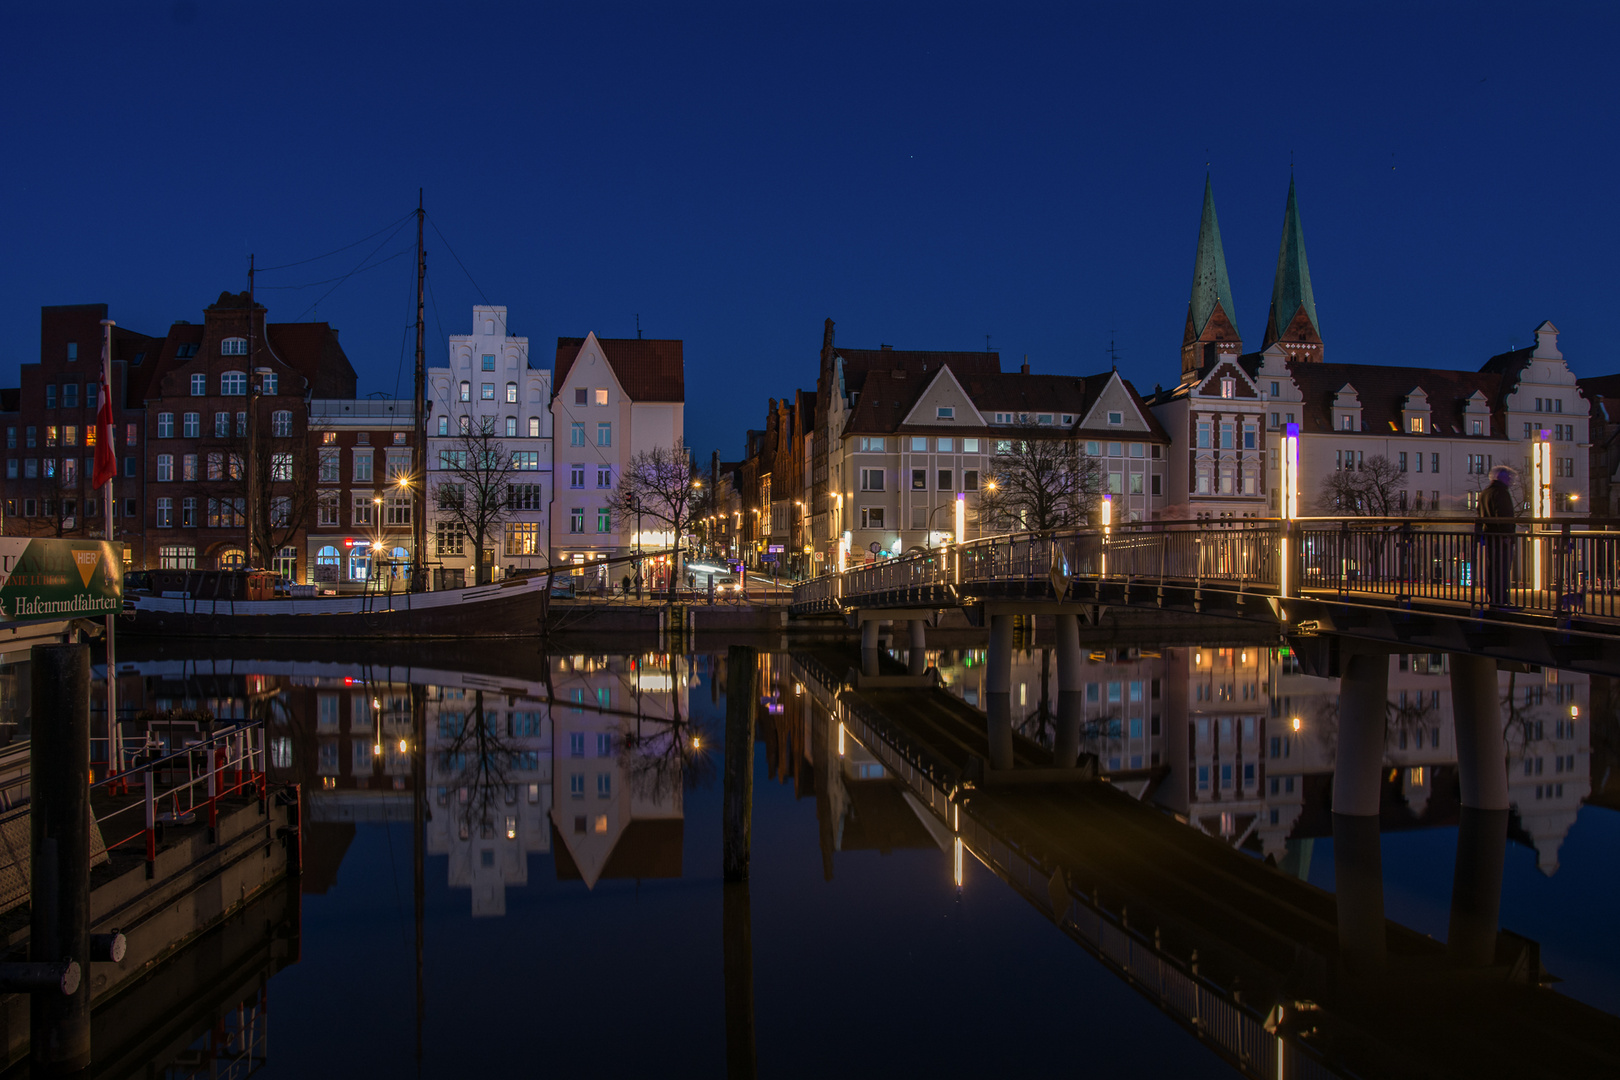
x,y
488,382
614,398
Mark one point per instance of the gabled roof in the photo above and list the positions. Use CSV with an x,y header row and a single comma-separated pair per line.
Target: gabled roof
x,y
1383,392
1210,287
1291,292
648,369
646,848
857,362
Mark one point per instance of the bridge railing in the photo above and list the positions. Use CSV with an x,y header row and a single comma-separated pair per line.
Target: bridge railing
x,y
1543,566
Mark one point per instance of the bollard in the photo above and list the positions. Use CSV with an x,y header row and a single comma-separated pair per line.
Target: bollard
x,y
738,796
59,1017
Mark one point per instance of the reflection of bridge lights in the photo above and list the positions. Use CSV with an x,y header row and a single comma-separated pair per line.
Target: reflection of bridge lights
x,y
376,749
840,740
1296,723
1574,711
697,743
956,854
403,746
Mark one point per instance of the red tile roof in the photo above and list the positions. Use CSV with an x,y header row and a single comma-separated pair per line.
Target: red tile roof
x,y
649,369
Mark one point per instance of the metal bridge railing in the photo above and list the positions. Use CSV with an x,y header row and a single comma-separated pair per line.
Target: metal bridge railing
x,y
1553,567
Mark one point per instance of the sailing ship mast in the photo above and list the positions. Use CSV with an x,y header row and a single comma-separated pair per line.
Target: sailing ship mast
x,y
419,512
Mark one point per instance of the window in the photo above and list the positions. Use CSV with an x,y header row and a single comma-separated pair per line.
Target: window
x,y
1417,425
281,466
523,496
919,479
523,538
526,460
1115,418
286,564
362,510
444,425
281,424
233,346
466,390
576,520
70,435
226,514
397,509
511,394
199,385
165,467
1226,436
1476,427
1434,463
330,467
165,427
73,350
177,557
1346,423
241,424
51,436
450,536
1156,484
945,412
944,480
871,479
327,508
33,435
486,362
398,464
233,383
945,446
581,395
268,382
222,425
188,513
534,427
50,396
1401,461
576,432
1228,388
1250,435
576,476
511,427
165,513
604,520
604,476
918,445
970,479
871,517
464,424
1203,435
486,391
29,508
11,468
604,433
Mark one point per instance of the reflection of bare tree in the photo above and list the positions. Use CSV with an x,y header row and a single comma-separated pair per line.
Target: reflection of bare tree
x,y
664,754
476,758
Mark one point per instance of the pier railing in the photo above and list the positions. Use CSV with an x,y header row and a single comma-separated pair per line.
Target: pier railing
x,y
1560,567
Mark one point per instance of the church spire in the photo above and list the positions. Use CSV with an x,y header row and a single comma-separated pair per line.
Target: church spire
x,y
1210,329
1292,320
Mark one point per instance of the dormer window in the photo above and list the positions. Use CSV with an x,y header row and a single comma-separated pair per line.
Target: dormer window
x,y
1477,427
1346,422
1417,425
1067,419
1115,418
1043,418
1004,418
945,412
233,346
1228,388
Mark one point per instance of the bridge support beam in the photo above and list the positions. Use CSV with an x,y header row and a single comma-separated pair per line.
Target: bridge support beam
x,y
998,691
869,647
1481,748
1476,887
1071,691
1357,771
917,658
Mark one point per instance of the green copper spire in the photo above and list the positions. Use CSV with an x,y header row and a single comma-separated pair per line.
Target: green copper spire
x,y
1210,285
1292,292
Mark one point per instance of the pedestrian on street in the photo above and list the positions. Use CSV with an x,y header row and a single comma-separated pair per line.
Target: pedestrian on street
x,y
626,584
1496,512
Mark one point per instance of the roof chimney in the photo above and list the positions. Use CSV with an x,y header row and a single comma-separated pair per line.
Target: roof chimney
x,y
885,348
1025,368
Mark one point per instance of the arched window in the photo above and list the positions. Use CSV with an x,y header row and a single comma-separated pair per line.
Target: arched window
x,y
511,427
328,556
466,390
359,563
233,383
233,559
444,425
511,393
281,423
233,346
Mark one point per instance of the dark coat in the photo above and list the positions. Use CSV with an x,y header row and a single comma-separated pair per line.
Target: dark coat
x,y
1497,502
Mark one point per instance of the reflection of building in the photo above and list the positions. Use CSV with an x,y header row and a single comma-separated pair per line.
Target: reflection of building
x,y
489,782
1248,741
620,745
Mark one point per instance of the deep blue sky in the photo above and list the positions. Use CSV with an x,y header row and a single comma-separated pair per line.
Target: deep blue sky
x,y
924,175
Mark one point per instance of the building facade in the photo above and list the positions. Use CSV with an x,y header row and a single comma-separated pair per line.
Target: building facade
x,y
488,390
361,536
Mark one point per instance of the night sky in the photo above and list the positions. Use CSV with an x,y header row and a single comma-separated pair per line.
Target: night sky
x,y
923,175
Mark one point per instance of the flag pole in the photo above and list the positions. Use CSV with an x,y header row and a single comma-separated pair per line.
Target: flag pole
x,y
108,433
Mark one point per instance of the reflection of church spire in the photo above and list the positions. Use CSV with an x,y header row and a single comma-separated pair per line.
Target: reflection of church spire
x,y
1210,329
1292,320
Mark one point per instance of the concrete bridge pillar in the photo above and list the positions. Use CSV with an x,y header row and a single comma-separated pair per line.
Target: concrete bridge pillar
x,y
1071,692
1481,746
869,647
1476,887
1357,771
998,691
917,658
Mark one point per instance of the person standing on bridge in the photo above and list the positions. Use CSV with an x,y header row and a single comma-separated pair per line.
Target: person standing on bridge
x,y
1496,511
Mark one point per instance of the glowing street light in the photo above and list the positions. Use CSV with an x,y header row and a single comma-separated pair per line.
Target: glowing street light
x,y
1290,499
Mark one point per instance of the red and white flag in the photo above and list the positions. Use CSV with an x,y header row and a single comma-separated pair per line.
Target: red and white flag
x,y
106,455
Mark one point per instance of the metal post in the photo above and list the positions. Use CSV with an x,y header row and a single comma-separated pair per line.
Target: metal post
x,y
151,820
738,792
59,1024
213,790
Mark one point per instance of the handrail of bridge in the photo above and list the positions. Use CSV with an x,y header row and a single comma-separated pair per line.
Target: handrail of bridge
x,y
1563,567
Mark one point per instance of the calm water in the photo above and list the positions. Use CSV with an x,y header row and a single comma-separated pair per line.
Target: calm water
x,y
571,896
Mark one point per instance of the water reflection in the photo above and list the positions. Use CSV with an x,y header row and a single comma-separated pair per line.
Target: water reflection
x,y
1240,742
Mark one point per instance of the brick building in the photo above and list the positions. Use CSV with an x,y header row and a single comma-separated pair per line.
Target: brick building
x,y
367,493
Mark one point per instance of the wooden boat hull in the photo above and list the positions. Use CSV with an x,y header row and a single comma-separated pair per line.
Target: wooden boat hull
x,y
507,609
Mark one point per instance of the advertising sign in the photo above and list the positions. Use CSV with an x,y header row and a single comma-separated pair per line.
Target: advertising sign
x,y
59,579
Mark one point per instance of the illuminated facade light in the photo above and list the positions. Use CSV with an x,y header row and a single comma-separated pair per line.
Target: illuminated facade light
x,y
961,517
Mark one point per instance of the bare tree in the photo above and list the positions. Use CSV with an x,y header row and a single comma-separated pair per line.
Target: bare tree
x,y
1372,489
1040,482
286,488
477,757
659,487
473,494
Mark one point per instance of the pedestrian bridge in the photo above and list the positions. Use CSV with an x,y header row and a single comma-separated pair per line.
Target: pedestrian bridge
x,y
1417,584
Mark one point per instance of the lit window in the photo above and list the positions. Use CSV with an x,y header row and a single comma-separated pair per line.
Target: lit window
x,y
466,391
511,393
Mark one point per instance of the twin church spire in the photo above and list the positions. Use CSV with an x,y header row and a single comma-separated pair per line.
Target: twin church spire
x,y
1211,331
